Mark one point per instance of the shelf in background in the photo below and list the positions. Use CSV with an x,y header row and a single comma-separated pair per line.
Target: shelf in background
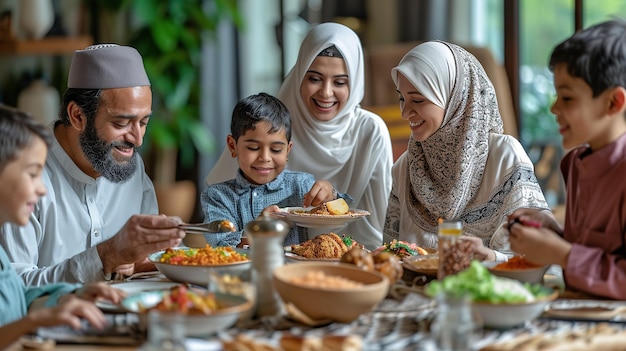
x,y
46,46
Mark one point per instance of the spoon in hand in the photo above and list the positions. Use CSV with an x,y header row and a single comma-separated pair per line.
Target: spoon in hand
x,y
217,226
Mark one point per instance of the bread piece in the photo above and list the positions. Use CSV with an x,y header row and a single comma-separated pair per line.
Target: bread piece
x,y
246,343
300,343
342,343
337,207
359,257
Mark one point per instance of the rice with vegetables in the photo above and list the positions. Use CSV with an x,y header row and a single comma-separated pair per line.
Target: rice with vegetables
x,y
207,256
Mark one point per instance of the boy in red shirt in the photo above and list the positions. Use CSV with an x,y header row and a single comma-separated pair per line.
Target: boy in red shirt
x,y
590,80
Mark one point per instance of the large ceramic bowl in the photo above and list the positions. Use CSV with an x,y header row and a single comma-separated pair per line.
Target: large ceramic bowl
x,y
197,325
508,315
339,304
200,275
526,275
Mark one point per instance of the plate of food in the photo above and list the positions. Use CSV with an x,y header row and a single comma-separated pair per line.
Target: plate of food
x,y
132,288
204,312
193,265
323,247
331,214
404,249
295,257
422,264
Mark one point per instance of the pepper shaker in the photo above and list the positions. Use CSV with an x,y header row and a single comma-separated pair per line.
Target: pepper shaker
x,y
266,236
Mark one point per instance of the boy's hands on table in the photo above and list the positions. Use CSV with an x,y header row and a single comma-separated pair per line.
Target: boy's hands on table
x,y
100,291
69,311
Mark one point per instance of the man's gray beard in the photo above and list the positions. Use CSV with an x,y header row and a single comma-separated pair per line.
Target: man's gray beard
x,y
100,155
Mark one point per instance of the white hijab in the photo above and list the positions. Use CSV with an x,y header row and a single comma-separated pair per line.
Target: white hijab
x,y
352,150
326,147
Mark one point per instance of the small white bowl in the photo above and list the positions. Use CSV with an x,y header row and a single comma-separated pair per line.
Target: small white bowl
x,y
508,315
527,275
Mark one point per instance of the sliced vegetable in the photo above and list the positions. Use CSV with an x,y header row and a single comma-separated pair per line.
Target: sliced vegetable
x,y
347,240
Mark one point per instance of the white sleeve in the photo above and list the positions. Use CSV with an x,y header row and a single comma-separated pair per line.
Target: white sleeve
x,y
18,243
224,169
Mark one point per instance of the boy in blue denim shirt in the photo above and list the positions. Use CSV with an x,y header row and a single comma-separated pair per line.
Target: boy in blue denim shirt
x,y
260,139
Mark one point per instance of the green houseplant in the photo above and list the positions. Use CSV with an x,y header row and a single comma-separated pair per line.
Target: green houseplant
x,y
169,35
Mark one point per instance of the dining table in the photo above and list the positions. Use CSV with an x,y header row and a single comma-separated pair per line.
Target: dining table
x,y
400,322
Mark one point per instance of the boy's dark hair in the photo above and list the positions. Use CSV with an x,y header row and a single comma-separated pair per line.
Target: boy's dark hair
x,y
597,55
17,130
87,99
256,108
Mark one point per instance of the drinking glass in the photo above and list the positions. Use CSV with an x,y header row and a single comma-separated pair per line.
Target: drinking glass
x,y
166,331
454,326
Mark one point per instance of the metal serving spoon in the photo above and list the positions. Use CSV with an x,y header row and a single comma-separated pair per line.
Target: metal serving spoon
x,y
217,226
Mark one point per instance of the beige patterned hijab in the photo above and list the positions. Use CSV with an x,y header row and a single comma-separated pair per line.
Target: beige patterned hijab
x,y
446,170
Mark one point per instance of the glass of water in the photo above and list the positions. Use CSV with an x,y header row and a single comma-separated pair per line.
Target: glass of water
x,y
166,331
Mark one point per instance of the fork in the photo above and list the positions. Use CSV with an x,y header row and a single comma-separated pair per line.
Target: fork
x,y
217,226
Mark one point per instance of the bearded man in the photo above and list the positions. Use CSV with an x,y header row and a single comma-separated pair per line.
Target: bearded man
x,y
99,217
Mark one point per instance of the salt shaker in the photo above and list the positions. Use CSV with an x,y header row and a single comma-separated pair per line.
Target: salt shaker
x,y
454,252
266,236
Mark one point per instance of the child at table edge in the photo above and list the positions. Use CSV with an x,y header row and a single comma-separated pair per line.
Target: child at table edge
x,y
23,150
590,80
260,139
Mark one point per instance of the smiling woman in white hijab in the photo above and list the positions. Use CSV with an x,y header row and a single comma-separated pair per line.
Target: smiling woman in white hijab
x,y
333,138
351,147
458,165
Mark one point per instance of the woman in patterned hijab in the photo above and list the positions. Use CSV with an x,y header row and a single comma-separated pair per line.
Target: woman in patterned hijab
x,y
458,164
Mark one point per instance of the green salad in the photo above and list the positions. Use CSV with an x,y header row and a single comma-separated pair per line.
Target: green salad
x,y
482,286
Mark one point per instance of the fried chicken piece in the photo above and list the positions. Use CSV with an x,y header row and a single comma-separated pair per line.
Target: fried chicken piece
x,y
322,246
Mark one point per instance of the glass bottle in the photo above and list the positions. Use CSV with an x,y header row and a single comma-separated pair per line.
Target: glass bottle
x,y
266,236
455,253
453,326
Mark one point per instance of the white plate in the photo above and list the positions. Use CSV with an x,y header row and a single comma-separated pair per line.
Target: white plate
x,y
290,256
423,264
132,288
309,220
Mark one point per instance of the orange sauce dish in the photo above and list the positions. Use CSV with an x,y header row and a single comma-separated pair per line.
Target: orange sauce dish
x,y
515,263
